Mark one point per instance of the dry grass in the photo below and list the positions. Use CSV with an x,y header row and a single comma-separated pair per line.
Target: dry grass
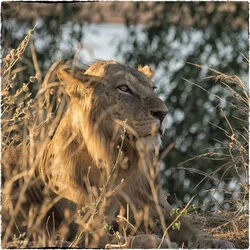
x,y
231,219
27,127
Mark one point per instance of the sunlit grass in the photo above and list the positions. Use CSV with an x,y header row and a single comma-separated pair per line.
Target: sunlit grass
x,y
27,127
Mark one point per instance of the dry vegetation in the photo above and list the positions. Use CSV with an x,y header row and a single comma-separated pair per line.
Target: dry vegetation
x,y
27,126
231,224
29,123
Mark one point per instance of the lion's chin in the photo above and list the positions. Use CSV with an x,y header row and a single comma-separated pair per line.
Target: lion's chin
x,y
149,143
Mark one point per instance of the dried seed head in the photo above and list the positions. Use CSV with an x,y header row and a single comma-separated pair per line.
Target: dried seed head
x,y
8,57
31,32
32,79
25,88
12,53
30,102
22,45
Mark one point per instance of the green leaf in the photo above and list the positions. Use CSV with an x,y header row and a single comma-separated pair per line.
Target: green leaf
x,y
176,225
172,212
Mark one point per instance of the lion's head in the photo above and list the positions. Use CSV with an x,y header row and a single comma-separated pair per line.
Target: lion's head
x,y
110,104
108,96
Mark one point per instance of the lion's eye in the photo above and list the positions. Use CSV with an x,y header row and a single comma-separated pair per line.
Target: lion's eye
x,y
124,88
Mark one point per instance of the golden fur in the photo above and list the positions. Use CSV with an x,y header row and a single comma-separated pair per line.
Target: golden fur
x,y
108,140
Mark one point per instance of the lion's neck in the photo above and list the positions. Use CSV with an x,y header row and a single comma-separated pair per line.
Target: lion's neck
x,y
86,153
73,159
83,138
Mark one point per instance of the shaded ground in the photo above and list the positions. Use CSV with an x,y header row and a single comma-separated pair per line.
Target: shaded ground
x,y
227,227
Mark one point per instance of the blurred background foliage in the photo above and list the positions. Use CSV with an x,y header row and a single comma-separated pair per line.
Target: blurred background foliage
x,y
173,36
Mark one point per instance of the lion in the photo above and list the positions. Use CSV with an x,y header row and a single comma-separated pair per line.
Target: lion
x,y
103,163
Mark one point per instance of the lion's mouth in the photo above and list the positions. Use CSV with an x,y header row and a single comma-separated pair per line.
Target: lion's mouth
x,y
160,132
132,137
150,143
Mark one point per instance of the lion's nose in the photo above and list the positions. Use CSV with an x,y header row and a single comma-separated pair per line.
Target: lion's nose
x,y
159,114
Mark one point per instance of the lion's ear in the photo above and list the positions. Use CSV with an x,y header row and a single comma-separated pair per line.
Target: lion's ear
x,y
74,79
146,70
